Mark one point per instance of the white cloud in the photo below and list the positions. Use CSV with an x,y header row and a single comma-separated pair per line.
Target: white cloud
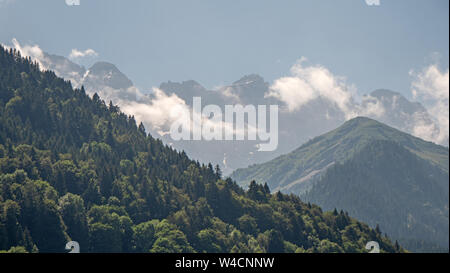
x,y
308,83
159,112
33,51
77,54
371,107
432,87
426,130
228,93
431,84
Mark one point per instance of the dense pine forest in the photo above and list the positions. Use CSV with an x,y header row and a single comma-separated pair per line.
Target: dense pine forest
x,y
73,167
384,176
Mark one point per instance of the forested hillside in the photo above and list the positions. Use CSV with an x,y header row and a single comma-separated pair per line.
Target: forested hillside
x,y
388,185
378,174
75,168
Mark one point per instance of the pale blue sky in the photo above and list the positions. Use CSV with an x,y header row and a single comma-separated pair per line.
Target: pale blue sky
x,y
216,42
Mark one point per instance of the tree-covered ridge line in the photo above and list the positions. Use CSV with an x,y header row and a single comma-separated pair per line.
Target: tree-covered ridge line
x,y
412,194
74,168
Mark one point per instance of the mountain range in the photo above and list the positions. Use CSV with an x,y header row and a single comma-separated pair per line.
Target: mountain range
x,y
375,172
295,127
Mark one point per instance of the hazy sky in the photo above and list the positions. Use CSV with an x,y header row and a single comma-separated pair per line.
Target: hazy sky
x,y
216,42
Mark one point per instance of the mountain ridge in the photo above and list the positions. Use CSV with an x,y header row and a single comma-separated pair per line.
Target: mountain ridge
x,y
340,150
375,172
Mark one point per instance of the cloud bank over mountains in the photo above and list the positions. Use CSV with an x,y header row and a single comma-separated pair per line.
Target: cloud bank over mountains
x,y
312,101
431,86
75,53
308,83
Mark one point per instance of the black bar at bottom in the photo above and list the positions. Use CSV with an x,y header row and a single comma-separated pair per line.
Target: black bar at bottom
x,y
225,262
